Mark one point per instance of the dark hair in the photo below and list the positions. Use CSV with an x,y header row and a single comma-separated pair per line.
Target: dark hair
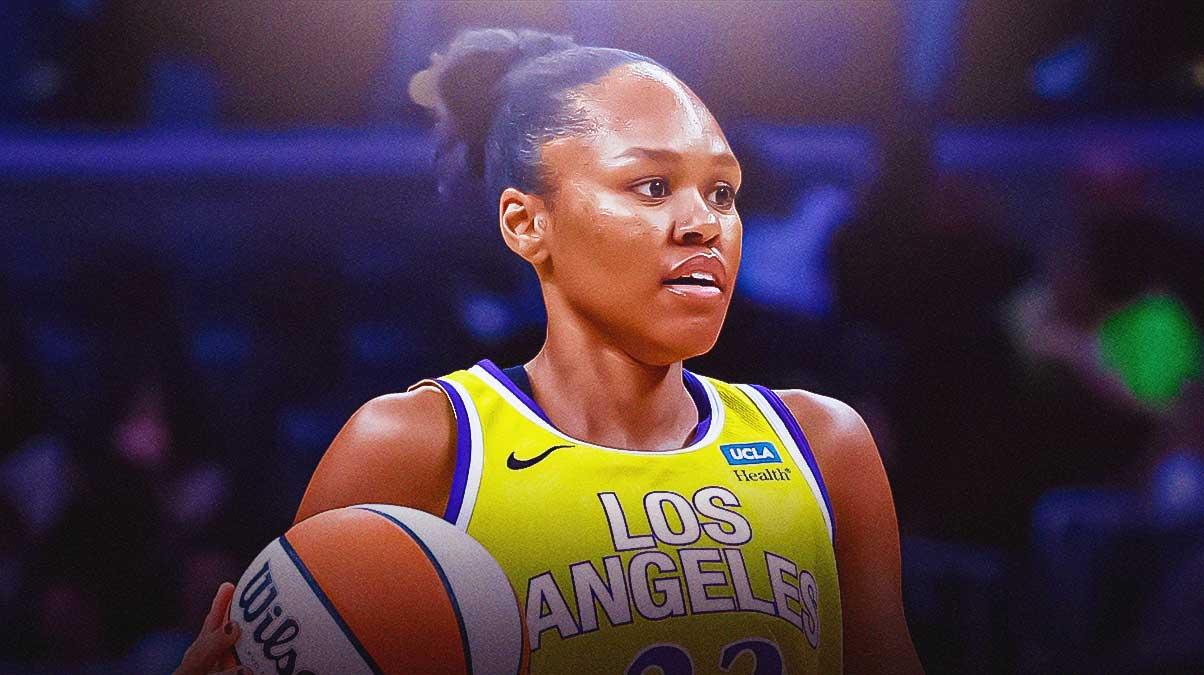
x,y
499,96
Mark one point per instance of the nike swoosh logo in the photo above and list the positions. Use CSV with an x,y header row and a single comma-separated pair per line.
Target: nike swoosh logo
x,y
516,463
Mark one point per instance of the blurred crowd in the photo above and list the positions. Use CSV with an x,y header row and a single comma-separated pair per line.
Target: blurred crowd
x,y
117,490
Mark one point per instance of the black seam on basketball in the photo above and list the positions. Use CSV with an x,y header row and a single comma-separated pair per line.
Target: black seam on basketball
x,y
330,608
451,594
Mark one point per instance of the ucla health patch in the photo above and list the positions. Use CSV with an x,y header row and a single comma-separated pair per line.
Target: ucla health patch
x,y
759,452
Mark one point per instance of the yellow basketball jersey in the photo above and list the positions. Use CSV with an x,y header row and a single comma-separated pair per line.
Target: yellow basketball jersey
x,y
715,558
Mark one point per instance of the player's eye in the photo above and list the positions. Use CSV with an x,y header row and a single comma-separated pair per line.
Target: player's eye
x,y
723,196
655,188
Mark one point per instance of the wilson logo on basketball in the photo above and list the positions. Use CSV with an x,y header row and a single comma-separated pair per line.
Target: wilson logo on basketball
x,y
258,600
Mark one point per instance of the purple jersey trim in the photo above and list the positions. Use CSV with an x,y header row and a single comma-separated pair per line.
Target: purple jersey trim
x,y
779,406
693,386
699,394
521,395
463,453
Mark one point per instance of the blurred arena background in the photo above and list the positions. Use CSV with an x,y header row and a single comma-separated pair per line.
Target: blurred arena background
x,y
219,235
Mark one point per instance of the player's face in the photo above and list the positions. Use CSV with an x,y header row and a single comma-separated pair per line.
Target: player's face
x,y
644,237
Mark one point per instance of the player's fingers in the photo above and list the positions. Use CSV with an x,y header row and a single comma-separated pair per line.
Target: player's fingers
x,y
227,660
220,607
208,650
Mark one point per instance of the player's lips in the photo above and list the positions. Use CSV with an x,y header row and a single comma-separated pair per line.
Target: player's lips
x,y
702,274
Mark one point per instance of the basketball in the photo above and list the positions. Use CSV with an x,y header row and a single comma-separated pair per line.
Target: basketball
x,y
375,588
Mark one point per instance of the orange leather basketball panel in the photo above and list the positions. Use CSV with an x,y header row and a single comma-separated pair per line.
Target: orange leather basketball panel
x,y
399,594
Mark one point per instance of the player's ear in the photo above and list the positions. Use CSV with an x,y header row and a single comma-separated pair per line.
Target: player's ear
x,y
523,219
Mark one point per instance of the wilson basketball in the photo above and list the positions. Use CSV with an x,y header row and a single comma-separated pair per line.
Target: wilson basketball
x,y
374,588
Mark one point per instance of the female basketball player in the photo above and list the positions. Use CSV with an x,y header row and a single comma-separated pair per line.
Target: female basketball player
x,y
646,516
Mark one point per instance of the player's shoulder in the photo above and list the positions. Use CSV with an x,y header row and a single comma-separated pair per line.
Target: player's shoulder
x,y
835,431
817,413
421,414
416,428
827,422
395,449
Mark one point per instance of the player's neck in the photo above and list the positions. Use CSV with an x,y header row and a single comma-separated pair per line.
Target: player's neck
x,y
597,393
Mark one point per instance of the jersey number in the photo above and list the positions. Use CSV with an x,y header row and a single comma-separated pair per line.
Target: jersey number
x,y
673,660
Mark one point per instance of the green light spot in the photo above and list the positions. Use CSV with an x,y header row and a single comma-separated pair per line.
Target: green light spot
x,y
1153,345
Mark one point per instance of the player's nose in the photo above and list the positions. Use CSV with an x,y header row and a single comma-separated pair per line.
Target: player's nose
x,y
697,224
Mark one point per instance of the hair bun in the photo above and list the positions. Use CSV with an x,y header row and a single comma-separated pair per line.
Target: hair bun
x,y
459,85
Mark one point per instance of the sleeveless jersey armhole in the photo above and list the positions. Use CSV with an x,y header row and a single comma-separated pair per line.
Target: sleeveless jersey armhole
x,y
782,420
466,478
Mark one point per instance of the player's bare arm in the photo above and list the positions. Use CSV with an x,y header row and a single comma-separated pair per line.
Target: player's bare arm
x,y
396,449
876,639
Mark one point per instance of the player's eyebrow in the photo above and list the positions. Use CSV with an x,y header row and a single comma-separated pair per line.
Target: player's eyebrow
x,y
667,155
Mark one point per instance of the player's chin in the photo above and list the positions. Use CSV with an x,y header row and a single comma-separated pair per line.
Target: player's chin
x,y
682,338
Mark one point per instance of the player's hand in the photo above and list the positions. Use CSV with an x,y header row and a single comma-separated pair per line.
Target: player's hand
x,y
213,649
